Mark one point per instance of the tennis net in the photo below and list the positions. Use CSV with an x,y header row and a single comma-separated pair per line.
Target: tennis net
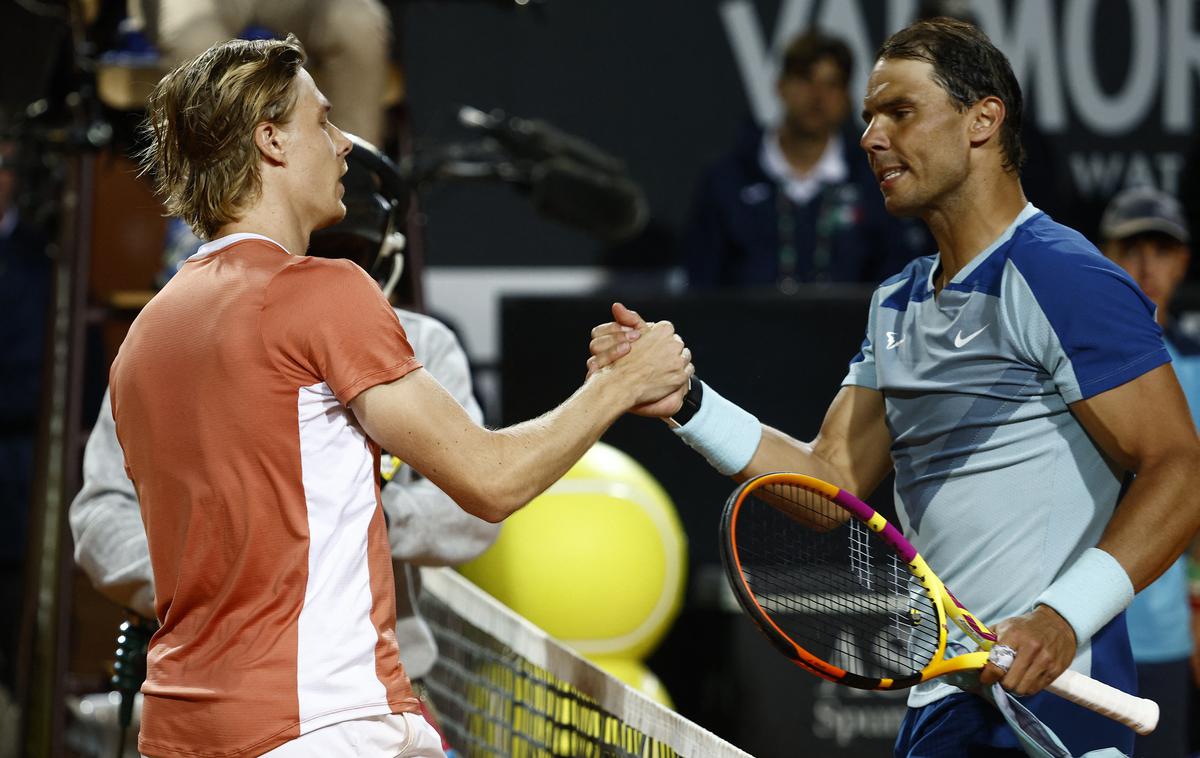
x,y
502,687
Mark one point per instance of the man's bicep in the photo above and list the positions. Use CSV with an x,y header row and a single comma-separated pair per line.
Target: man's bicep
x,y
854,439
447,362
1140,420
1145,427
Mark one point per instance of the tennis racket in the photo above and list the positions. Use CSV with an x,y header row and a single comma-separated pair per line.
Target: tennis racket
x,y
840,592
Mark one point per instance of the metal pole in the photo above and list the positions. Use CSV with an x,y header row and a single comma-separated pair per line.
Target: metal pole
x,y
48,608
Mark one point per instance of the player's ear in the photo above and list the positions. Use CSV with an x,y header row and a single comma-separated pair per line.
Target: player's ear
x,y
271,142
986,117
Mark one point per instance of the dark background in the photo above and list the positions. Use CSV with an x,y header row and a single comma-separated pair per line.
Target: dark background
x,y
658,84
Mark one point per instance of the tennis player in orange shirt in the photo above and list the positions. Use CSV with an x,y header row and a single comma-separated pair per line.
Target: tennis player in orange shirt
x,y
251,398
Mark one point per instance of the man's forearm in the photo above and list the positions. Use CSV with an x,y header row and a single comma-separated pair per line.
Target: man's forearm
x,y
493,473
527,458
489,473
780,452
852,449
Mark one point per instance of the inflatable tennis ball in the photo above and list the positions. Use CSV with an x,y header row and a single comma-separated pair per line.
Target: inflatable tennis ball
x,y
635,673
598,560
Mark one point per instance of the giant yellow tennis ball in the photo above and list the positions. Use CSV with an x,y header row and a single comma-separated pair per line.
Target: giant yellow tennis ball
x,y
598,560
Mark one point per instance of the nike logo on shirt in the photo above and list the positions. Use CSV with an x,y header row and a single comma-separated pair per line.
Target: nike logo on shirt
x,y
960,340
892,341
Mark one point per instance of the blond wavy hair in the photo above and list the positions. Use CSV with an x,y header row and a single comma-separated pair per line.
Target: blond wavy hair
x,y
200,127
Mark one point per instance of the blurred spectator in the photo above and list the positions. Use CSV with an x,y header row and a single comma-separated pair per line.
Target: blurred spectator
x,y
347,43
25,278
1144,231
798,203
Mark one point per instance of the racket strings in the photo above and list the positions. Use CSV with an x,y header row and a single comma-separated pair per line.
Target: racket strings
x,y
833,586
860,554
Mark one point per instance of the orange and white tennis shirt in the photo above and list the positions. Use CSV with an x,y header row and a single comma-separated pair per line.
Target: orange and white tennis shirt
x,y
260,497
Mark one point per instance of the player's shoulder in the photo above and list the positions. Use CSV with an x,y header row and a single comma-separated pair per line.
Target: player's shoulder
x,y
312,271
1054,271
313,265
1052,255
322,284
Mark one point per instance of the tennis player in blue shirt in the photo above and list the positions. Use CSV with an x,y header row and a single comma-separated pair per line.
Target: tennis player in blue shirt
x,y
1012,381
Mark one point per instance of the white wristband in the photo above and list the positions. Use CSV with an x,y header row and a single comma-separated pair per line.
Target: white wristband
x,y
1090,593
723,433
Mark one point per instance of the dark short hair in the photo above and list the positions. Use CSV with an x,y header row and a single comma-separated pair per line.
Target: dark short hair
x,y
804,51
969,68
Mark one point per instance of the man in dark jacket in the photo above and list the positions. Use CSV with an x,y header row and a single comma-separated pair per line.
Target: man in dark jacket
x,y
798,203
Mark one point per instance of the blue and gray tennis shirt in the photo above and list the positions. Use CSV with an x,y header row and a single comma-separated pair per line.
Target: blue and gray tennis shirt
x,y
997,483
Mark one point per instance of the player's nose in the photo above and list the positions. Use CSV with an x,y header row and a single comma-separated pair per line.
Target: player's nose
x,y
874,139
344,145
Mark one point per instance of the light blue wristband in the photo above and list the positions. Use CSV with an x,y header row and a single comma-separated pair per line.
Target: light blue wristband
x,y
726,435
1090,593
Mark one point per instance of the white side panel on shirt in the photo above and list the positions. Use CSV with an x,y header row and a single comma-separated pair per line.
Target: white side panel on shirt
x,y
336,647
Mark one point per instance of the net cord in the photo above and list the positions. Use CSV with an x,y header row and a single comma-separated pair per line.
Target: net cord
x,y
527,640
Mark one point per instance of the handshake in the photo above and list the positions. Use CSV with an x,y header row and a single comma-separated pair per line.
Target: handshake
x,y
646,359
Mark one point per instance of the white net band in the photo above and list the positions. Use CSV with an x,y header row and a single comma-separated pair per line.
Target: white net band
x,y
503,687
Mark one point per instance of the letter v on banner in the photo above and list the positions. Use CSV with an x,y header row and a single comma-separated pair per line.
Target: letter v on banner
x,y
758,65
